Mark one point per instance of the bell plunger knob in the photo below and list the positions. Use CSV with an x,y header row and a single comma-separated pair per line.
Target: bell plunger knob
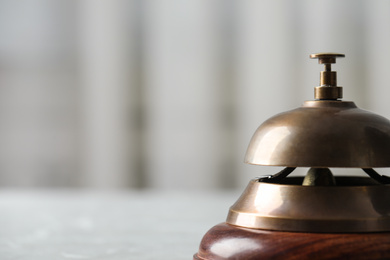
x,y
328,89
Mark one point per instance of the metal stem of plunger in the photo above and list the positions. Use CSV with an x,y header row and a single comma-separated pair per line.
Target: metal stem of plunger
x,y
328,89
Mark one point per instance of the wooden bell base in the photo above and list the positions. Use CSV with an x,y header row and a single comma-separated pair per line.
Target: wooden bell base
x,y
225,241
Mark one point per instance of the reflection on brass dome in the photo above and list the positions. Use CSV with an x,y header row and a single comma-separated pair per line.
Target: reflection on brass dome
x,y
322,133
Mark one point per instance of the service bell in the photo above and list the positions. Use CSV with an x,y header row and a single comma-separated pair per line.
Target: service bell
x,y
319,216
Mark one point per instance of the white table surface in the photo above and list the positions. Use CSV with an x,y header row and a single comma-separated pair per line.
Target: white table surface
x,y
107,225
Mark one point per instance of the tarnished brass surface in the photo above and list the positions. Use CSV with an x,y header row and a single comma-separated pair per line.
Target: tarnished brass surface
x,y
322,134
328,78
326,57
319,177
328,89
356,204
328,92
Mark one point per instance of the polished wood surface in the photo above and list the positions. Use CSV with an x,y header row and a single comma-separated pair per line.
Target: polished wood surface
x,y
225,241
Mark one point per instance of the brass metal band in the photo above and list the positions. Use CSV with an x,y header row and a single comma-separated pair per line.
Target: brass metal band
x,y
328,92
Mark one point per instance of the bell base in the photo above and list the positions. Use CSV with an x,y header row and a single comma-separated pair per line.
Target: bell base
x,y
225,241
354,205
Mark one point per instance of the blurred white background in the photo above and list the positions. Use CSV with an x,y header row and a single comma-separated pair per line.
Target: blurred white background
x,y
167,94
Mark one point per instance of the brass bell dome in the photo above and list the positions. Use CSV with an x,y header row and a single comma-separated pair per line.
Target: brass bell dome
x,y
326,132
